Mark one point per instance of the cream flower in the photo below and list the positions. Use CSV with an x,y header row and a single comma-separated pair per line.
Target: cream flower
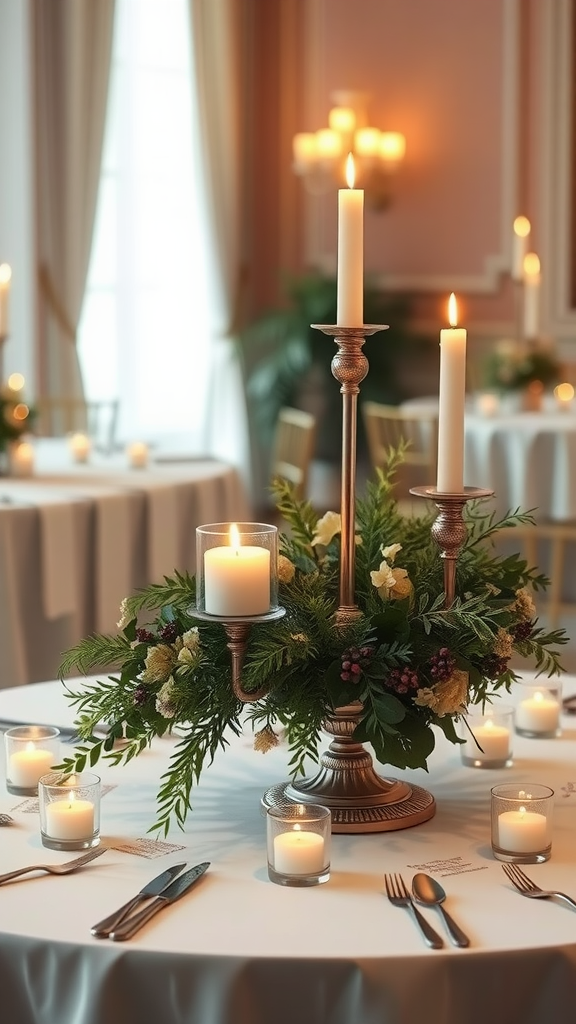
x,y
159,663
125,616
326,528
185,657
382,578
524,604
446,698
391,551
402,585
391,583
286,569
166,699
191,640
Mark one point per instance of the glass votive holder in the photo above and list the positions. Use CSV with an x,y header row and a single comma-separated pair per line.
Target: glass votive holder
x,y
138,454
80,447
31,751
69,810
298,841
538,709
236,569
488,737
521,823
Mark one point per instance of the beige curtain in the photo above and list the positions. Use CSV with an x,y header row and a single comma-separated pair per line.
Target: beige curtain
x,y
72,42
216,48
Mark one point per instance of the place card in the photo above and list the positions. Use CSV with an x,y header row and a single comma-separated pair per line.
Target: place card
x,y
148,848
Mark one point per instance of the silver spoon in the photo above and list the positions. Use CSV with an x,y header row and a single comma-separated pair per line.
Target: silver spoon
x,y
428,891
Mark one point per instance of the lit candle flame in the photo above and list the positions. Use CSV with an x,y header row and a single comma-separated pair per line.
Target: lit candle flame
x,y
234,537
531,265
452,311
522,227
564,392
350,171
5,273
522,811
538,697
16,382
30,746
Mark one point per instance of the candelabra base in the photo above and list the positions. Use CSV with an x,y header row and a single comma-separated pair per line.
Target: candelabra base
x,y
358,798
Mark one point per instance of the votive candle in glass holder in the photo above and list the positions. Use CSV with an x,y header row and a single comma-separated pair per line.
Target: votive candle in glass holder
x,y
298,842
138,454
521,822
538,709
488,735
69,810
31,751
80,447
236,569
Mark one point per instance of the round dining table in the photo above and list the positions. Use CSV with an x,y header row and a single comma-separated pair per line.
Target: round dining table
x,y
527,458
240,949
78,537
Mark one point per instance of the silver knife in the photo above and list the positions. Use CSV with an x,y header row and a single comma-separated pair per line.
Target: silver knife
x,y
175,890
154,888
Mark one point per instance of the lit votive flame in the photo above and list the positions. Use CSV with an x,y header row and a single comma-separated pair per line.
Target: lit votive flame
x,y
234,538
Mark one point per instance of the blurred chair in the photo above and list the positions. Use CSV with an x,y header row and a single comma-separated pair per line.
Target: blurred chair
x,y
57,417
293,448
387,426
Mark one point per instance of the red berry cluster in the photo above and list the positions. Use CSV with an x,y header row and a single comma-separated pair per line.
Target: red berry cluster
x,y
493,666
140,695
144,636
442,665
522,630
403,680
354,661
169,632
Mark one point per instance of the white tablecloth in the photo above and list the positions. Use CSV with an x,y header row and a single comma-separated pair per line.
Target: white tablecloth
x,y
76,539
240,950
527,458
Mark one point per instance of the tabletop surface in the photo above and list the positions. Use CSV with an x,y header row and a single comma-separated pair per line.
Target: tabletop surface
x,y
237,914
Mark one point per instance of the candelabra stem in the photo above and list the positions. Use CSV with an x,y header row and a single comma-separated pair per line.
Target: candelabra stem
x,y
449,529
349,367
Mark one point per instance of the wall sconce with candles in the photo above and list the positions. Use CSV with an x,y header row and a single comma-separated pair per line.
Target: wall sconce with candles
x,y
320,157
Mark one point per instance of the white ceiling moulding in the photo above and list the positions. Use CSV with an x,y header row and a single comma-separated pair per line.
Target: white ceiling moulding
x,y
487,280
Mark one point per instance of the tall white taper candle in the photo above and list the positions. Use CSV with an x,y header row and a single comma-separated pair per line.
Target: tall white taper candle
x,y
451,404
350,302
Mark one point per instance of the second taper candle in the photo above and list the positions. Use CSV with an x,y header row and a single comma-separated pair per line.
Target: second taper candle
x,y
350,301
450,478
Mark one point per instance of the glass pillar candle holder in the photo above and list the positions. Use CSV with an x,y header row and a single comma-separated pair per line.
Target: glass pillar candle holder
x,y
31,751
488,737
521,822
236,569
298,841
69,810
538,709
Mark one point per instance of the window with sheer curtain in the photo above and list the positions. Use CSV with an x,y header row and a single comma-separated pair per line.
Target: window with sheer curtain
x,y
149,300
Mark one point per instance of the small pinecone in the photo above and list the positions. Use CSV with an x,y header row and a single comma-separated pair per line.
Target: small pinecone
x,y
169,632
403,680
144,636
442,665
493,666
140,695
354,661
522,630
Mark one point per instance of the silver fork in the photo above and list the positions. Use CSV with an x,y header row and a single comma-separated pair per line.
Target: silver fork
x,y
57,869
527,887
399,896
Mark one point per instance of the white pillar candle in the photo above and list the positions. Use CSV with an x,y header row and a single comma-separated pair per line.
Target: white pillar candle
x,y
519,243
80,447
451,404
538,713
298,853
26,767
138,455
522,831
237,578
493,739
532,281
350,298
5,275
70,818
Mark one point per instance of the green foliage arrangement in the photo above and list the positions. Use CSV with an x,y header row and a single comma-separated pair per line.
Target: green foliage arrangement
x,y
414,665
513,366
15,416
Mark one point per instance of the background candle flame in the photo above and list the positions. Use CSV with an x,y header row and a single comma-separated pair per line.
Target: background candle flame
x,y
350,171
452,311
